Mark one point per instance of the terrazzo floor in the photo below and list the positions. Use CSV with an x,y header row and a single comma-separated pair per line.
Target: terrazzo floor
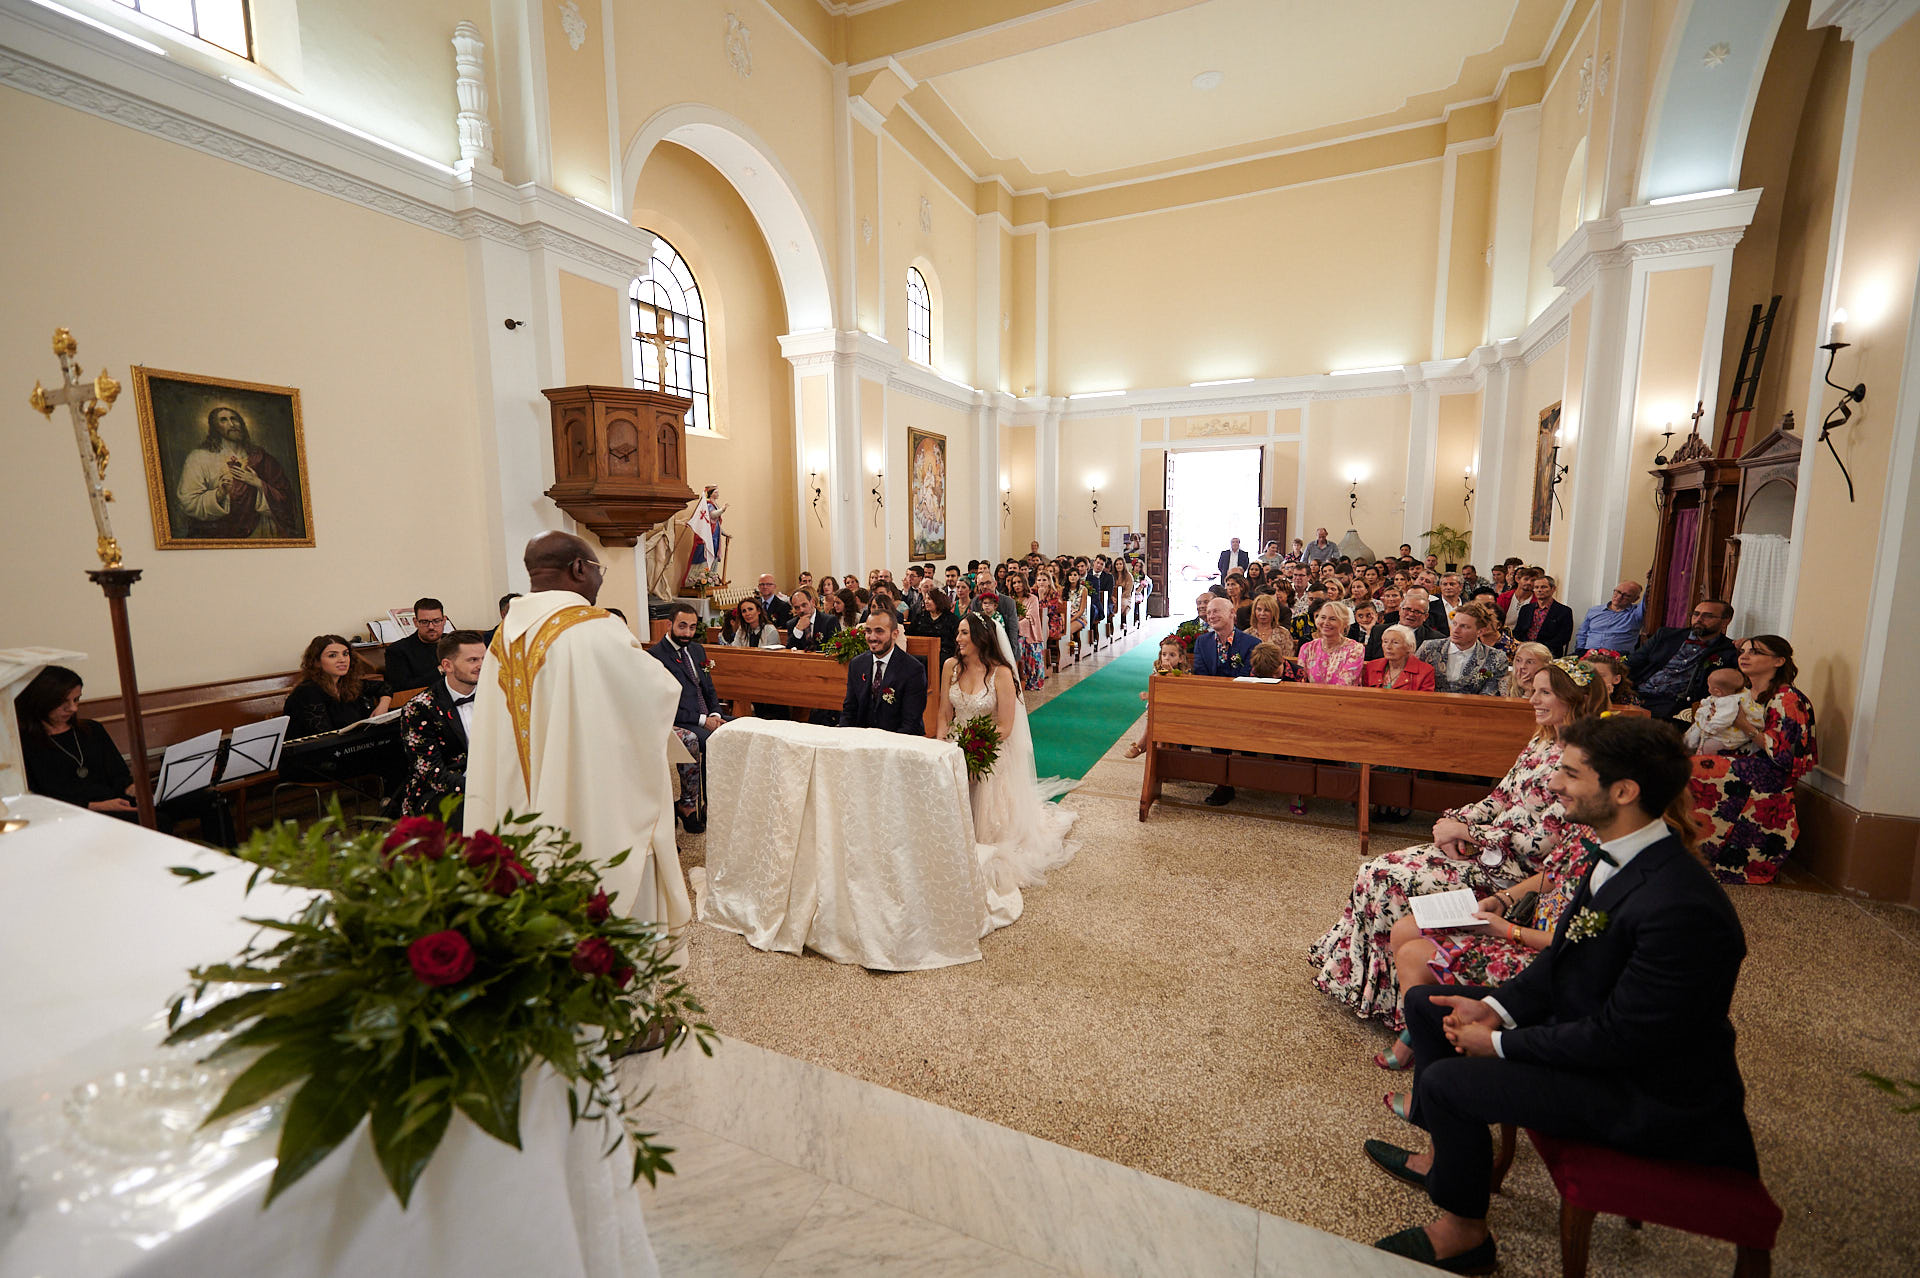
x,y
1152,1008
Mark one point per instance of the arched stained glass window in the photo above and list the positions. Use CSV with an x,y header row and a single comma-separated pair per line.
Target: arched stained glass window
x,y
666,301
919,318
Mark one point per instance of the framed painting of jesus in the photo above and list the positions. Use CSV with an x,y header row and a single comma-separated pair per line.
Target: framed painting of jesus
x,y
226,462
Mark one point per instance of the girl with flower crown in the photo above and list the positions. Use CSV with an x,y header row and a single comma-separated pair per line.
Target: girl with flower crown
x,y
1488,845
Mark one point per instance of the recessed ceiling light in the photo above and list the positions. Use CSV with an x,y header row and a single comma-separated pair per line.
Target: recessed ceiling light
x,y
1208,80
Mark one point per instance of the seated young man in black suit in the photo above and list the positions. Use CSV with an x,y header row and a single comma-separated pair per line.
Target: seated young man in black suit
x,y
436,724
1617,1034
886,684
698,713
414,661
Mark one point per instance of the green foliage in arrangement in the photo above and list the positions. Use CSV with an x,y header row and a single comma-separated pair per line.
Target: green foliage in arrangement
x,y
429,974
1446,541
979,740
846,643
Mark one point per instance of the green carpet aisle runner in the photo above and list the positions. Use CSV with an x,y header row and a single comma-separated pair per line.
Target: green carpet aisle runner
x,y
1074,729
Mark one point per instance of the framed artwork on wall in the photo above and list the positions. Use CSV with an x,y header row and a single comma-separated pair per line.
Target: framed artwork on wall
x,y
226,462
927,493
1540,527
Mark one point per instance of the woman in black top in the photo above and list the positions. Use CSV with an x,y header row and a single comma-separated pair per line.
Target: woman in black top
x,y
335,689
74,760
936,621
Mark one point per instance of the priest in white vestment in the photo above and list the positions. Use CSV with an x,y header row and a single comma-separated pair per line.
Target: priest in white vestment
x,y
571,719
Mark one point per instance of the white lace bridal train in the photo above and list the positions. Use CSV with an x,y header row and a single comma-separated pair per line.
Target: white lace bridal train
x,y
1025,834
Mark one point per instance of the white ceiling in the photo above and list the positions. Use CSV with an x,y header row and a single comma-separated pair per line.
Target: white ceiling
x,y
1125,97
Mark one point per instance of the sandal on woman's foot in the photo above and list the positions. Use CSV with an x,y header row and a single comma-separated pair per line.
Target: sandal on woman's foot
x,y
1396,1103
1135,749
1388,1061
1297,808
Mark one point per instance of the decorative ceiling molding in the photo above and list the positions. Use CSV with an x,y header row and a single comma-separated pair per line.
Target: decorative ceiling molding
x,y
454,215
1863,23
1546,341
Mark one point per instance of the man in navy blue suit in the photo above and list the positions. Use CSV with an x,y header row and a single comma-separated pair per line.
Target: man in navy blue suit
x,y
698,713
1616,1035
886,684
1226,652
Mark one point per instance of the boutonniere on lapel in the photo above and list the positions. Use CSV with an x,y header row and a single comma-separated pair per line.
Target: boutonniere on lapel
x,y
709,665
1586,925
1233,661
1483,674
887,695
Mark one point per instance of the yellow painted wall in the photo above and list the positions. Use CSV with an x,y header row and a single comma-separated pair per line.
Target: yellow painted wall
x,y
946,254
750,454
592,329
1363,436
1467,262
1337,274
1562,126
816,413
387,398
577,108
1876,286
670,54
1670,351
1794,160
1020,364
1095,451
1017,465
1459,435
386,68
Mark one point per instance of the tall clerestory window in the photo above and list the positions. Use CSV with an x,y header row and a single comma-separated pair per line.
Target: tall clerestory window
x,y
219,22
919,318
668,316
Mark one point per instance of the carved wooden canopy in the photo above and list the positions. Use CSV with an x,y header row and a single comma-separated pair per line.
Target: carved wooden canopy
x,y
619,458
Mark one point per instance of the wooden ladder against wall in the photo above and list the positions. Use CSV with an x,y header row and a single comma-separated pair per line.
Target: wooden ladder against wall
x,y
1753,356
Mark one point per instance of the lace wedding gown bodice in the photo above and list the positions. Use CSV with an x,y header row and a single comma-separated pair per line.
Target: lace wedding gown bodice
x,y
1022,834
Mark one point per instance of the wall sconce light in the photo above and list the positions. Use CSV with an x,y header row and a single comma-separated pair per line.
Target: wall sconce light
x,y
879,501
1556,473
1006,502
1096,502
1666,440
1353,497
813,482
1842,411
1467,478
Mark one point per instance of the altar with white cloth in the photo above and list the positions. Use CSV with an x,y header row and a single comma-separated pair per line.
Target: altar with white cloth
x,y
855,843
101,1172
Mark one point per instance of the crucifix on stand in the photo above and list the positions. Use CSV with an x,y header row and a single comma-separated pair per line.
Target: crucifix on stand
x,y
87,402
663,339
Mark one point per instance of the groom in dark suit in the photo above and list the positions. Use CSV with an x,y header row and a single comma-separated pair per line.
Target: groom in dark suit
x,y
886,685
1616,1035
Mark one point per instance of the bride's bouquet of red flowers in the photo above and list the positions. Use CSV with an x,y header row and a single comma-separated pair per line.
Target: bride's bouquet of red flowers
x,y
845,644
979,741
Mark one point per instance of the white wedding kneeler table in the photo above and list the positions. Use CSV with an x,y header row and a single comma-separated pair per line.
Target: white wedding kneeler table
x,y
95,938
851,842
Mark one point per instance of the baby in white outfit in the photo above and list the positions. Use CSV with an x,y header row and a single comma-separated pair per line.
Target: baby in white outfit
x,y
1714,715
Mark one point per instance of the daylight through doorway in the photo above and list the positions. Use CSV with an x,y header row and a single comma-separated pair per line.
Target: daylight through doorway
x,y
1213,495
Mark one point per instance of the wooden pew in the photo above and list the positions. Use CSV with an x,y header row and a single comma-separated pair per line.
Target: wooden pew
x,y
804,680
1326,731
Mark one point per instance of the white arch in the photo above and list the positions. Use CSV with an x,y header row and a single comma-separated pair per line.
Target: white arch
x,y
750,165
1696,130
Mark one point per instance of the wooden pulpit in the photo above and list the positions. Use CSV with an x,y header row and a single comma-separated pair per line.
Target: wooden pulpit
x,y
619,458
1696,499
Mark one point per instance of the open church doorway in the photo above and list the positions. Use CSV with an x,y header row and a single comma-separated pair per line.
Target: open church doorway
x,y
1213,496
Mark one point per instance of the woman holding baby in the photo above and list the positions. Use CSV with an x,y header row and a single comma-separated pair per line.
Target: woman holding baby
x,y
1745,799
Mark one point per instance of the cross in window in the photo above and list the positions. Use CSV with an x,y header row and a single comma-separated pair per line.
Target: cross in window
x,y
661,337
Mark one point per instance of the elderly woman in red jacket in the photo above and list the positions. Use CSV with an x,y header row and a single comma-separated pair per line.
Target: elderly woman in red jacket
x,y
1399,670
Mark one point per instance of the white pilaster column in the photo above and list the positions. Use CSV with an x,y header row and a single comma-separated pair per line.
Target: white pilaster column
x,y
1612,260
986,304
1423,441
986,473
1493,530
1046,475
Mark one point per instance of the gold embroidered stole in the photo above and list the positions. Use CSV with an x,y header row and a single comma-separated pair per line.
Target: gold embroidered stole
x,y
520,661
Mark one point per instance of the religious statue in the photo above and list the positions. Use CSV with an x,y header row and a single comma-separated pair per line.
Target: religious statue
x,y
705,569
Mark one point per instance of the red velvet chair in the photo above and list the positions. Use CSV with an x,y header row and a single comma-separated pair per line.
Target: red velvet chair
x,y
1711,1201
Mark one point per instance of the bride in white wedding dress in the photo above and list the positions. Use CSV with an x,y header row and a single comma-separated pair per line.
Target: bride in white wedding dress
x,y
1011,812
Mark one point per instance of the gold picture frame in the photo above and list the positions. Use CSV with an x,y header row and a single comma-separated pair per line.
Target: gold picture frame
x,y
1540,515
256,448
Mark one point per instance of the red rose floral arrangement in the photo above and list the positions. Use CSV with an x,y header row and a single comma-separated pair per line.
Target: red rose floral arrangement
x,y
431,973
979,740
844,644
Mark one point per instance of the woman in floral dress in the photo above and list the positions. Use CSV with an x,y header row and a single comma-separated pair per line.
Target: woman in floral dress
x,y
1491,844
1331,657
1745,801
1032,628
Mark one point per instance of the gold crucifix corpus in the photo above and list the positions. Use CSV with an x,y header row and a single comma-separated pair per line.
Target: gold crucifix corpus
x,y
88,402
662,337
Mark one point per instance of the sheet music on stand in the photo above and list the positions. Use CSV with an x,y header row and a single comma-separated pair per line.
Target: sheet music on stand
x,y
255,748
187,766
